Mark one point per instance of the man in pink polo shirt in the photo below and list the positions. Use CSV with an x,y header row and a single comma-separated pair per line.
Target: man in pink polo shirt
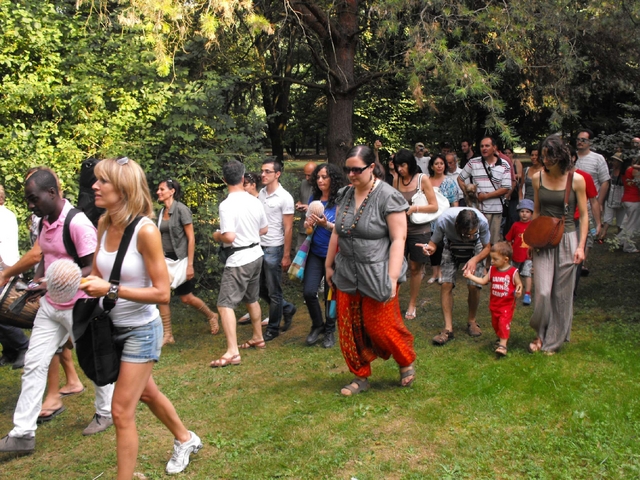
x,y
53,322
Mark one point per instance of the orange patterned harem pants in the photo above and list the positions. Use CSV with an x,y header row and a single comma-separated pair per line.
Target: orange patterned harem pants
x,y
369,329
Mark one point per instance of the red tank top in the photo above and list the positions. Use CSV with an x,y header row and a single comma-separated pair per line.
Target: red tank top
x,y
503,288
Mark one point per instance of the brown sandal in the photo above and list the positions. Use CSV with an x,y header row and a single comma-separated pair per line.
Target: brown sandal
x,y
501,350
535,346
443,337
253,344
225,362
213,324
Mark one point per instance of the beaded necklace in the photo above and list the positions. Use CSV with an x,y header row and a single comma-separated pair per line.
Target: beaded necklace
x,y
360,210
410,180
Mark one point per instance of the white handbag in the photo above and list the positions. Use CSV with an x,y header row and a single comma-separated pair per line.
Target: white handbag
x,y
177,271
420,199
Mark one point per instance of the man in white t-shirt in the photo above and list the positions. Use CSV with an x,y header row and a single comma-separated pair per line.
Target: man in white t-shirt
x,y
421,159
595,165
276,245
453,171
242,221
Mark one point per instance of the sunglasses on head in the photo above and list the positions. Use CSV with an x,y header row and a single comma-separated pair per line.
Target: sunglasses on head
x,y
355,170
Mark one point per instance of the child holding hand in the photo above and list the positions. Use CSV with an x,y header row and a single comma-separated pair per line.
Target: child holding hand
x,y
505,287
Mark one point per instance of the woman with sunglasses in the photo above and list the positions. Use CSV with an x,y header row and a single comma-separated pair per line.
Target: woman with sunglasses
x,y
365,263
179,242
326,180
408,182
121,188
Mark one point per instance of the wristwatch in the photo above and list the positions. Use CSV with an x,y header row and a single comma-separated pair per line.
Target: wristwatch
x,y
112,294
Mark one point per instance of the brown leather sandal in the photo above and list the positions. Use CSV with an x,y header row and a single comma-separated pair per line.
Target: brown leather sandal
x,y
253,344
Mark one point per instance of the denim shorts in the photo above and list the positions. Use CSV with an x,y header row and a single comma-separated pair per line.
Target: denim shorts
x,y
140,344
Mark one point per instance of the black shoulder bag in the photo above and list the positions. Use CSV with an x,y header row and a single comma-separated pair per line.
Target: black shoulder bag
x,y
93,329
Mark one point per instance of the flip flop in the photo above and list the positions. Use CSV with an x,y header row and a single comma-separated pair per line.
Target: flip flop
x,y
410,315
225,362
51,416
68,394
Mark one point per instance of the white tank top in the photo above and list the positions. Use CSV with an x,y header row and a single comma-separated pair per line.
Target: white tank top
x,y
133,274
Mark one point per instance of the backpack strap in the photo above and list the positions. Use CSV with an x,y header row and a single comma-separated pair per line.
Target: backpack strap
x,y
117,265
69,246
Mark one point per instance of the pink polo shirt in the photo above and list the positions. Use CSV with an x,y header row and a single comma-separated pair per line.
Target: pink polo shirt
x,y
84,237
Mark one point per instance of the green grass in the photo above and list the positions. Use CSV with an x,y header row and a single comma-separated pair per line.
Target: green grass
x,y
468,415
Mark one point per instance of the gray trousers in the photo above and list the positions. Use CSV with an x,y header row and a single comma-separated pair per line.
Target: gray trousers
x,y
554,282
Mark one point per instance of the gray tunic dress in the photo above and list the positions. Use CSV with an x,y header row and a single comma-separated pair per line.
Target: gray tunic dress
x,y
554,275
362,262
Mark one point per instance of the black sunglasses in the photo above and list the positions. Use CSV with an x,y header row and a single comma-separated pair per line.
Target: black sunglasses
x,y
355,170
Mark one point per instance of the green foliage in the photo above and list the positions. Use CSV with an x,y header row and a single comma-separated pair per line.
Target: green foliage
x,y
80,82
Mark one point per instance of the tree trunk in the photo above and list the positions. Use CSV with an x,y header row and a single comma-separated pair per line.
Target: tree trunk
x,y
341,81
340,127
338,33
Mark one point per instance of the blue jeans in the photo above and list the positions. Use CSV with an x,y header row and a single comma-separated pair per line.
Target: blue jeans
x,y
140,344
271,287
313,273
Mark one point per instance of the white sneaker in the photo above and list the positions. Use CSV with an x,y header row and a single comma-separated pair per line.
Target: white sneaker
x,y
181,451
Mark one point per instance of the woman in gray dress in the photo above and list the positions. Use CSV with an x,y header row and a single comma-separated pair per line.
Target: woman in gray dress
x,y
178,242
555,267
365,263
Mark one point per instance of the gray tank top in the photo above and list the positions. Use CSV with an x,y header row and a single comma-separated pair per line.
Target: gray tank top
x,y
552,205
528,186
167,246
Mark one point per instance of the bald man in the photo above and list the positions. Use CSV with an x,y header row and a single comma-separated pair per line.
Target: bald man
x,y
306,190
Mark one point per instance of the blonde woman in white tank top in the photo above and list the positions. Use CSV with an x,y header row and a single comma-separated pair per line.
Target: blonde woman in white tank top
x,y
122,190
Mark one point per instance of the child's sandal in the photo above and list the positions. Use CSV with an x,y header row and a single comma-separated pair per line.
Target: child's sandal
x,y
501,351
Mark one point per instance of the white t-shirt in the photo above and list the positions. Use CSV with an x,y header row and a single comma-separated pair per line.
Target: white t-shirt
x,y
133,274
276,205
454,176
595,165
423,164
243,214
8,237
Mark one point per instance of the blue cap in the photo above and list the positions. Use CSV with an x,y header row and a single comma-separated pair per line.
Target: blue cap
x,y
525,203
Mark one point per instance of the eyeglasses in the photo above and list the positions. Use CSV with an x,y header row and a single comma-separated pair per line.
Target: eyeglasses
x,y
323,177
268,172
355,170
469,235
169,183
582,140
122,161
